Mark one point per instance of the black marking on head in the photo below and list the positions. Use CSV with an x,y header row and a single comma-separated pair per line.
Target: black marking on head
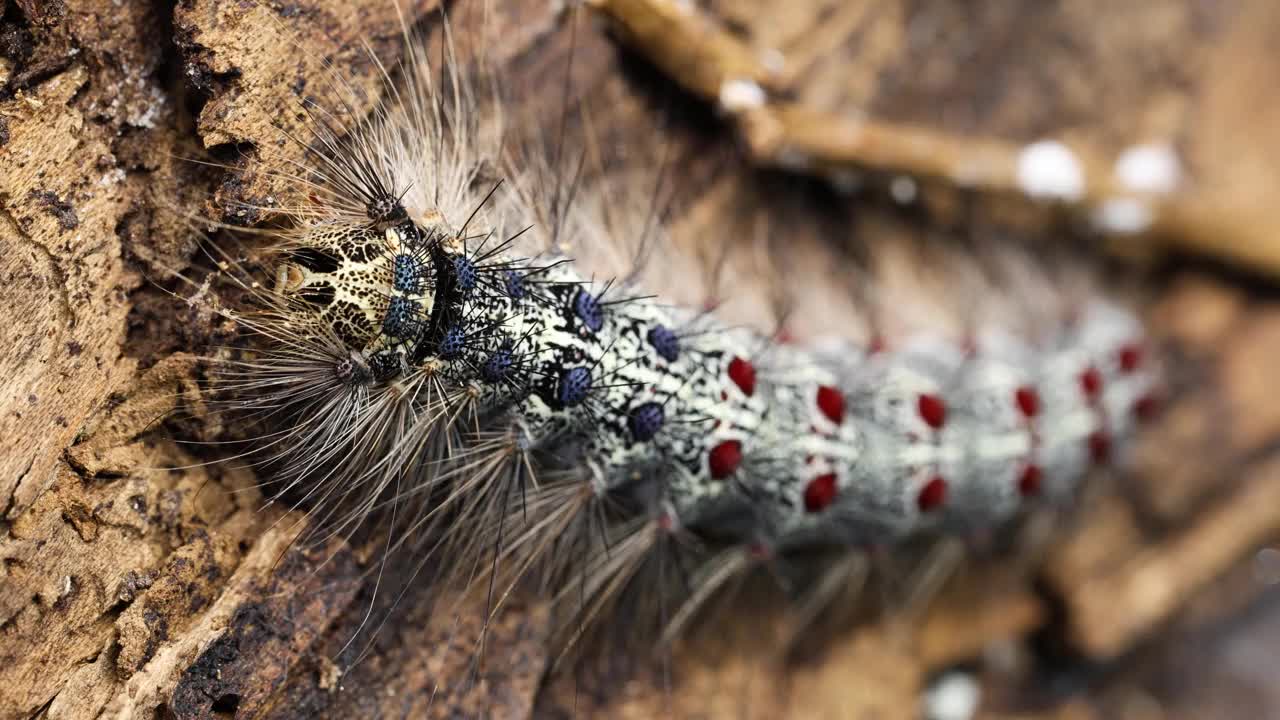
x,y
350,323
665,342
315,260
319,294
364,248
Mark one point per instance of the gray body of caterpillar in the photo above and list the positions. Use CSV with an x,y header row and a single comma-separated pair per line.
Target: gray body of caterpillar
x,y
738,437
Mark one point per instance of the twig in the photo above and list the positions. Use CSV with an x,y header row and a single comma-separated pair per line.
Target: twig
x,y
1138,195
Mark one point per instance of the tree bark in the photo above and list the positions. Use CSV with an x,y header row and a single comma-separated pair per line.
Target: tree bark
x,y
137,581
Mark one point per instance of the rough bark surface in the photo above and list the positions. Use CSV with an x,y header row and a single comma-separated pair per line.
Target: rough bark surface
x,y
138,582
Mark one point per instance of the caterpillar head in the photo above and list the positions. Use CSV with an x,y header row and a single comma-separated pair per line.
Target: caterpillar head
x,y
373,288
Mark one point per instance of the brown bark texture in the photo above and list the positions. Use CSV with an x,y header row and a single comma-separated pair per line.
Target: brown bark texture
x,y
139,581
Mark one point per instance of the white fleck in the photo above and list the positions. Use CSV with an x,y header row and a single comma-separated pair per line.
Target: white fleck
x,y
903,189
970,174
739,95
773,60
1151,168
793,159
1002,656
846,181
146,117
330,675
1266,566
954,696
1048,169
111,177
1123,216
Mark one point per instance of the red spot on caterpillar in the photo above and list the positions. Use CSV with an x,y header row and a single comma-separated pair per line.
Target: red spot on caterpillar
x,y
1100,446
1028,401
1029,480
1146,407
1130,357
1091,382
759,551
932,495
725,458
878,344
820,492
932,410
743,374
666,522
831,403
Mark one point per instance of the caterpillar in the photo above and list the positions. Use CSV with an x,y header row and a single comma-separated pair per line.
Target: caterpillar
x,y
426,347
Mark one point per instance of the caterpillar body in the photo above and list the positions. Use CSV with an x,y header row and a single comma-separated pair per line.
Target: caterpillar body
x,y
425,349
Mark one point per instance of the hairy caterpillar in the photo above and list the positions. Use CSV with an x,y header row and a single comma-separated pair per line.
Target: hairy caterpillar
x,y
425,355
